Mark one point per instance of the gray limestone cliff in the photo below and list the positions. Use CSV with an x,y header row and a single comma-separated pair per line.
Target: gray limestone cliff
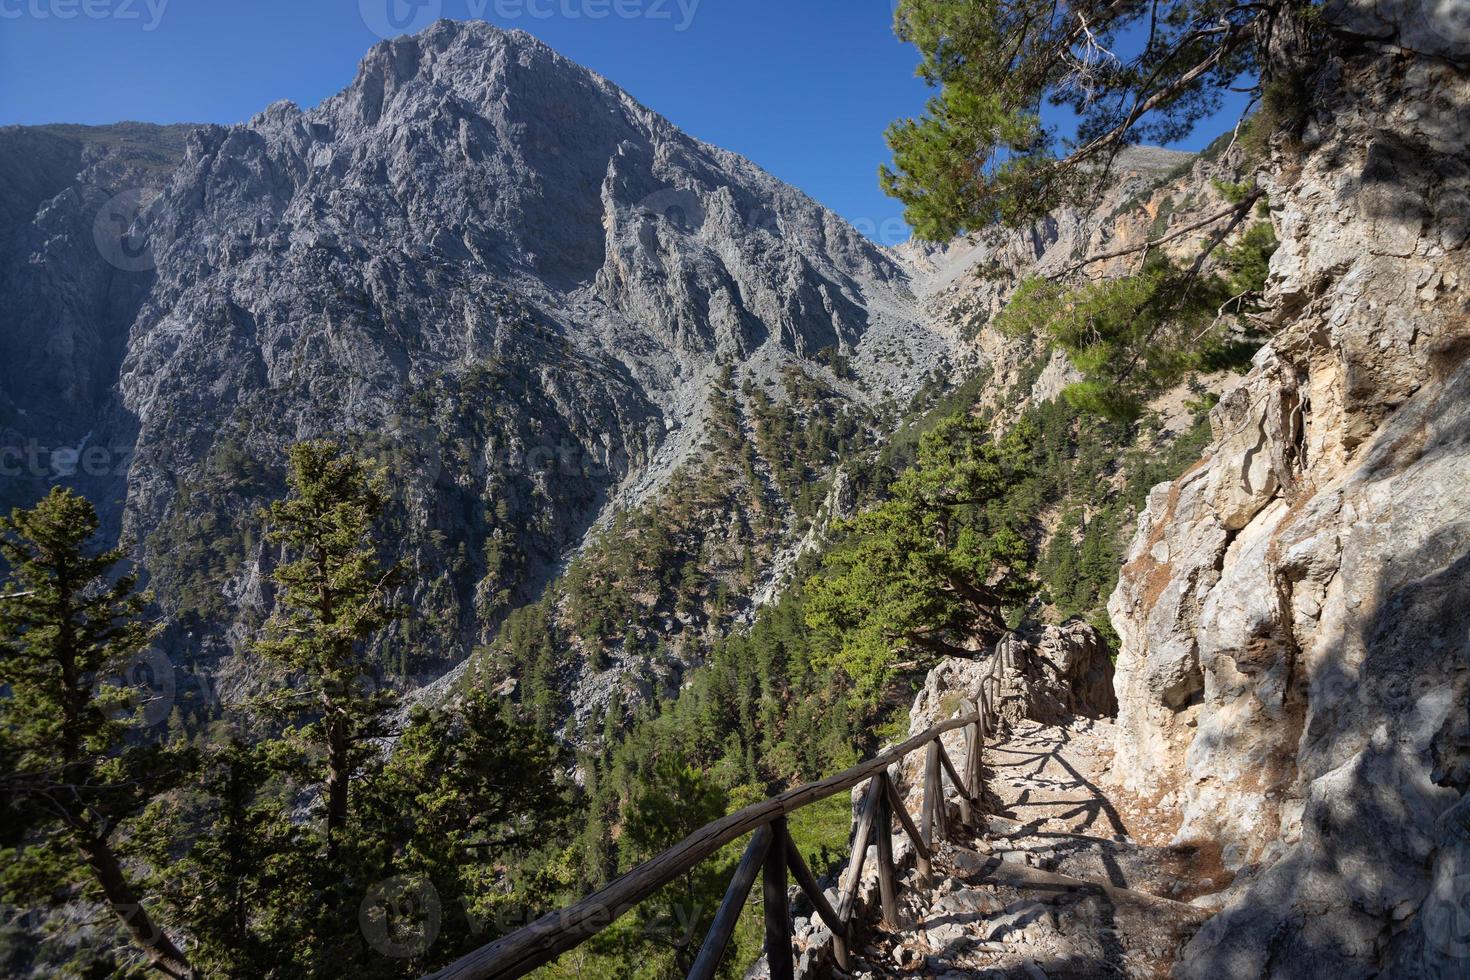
x,y
1295,666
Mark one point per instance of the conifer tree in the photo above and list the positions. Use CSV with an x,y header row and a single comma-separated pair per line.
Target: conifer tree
x,y
1129,73
933,570
469,798
68,620
249,887
334,598
673,801
981,156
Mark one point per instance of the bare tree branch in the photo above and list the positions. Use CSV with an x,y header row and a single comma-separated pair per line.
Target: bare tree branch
x,y
1241,210
1234,209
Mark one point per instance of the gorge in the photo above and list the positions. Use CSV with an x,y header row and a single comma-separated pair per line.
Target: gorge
x,y
629,391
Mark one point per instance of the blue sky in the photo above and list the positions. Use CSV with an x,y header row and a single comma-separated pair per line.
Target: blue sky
x,y
804,88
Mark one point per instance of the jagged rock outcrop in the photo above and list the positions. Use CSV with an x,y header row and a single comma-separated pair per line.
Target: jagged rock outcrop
x,y
1047,674
1058,673
1295,660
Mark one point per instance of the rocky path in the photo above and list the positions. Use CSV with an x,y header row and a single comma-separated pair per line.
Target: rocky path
x,y
1057,886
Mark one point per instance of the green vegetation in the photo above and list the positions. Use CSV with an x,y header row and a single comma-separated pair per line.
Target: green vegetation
x,y
334,596
209,532
286,842
936,567
72,774
800,436
757,718
779,704
1136,337
675,575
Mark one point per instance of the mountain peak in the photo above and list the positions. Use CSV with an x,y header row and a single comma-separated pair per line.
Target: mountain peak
x,y
473,64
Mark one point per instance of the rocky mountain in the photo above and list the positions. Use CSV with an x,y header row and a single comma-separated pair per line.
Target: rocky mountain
x,y
519,288
480,261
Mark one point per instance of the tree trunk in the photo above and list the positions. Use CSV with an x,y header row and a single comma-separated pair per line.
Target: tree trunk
x,y
164,955
339,753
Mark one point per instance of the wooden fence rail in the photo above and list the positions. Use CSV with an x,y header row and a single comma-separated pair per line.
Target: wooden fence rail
x,y
772,854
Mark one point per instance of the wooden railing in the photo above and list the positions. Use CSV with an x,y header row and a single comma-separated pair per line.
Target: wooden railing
x,y
772,854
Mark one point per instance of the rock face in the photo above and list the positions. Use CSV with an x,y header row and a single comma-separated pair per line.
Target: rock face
x,y
1295,659
72,278
1058,673
480,262
1048,674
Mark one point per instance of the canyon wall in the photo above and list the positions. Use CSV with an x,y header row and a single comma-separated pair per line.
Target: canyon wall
x,y
1295,638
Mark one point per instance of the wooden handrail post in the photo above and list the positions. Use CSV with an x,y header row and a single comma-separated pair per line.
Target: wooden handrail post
x,y
927,811
941,811
728,914
973,740
887,879
977,763
866,819
935,820
824,909
554,933
847,894
921,850
778,914
959,784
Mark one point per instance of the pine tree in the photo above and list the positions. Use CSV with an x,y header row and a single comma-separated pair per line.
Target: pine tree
x,y
674,801
73,773
934,570
981,152
249,887
981,156
334,599
467,799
